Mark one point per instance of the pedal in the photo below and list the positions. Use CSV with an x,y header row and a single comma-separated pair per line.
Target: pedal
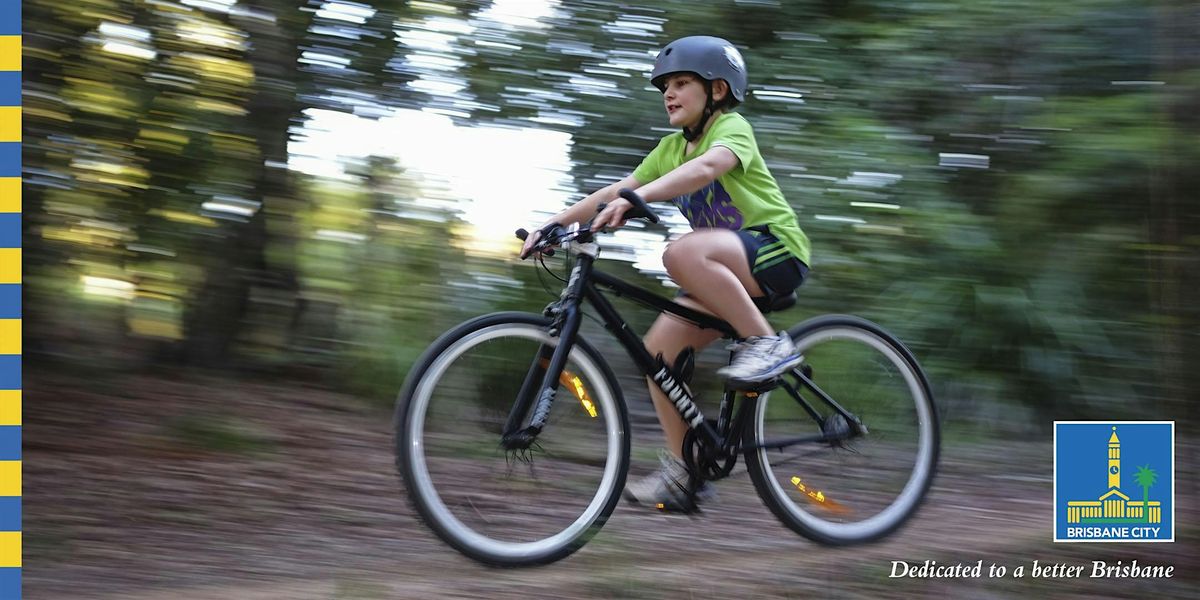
x,y
691,509
758,387
684,506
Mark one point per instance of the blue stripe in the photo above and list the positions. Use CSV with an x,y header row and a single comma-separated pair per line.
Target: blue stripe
x,y
10,371
10,17
10,583
10,301
10,87
10,513
10,228
10,158
10,442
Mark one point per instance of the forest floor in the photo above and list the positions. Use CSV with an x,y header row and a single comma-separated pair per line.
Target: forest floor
x,y
142,487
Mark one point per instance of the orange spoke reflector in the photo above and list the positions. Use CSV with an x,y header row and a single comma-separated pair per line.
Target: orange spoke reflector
x,y
819,498
572,382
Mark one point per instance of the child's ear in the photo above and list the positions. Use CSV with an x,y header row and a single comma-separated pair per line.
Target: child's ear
x,y
720,89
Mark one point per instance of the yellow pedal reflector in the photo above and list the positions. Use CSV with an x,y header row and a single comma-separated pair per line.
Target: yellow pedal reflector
x,y
572,382
819,498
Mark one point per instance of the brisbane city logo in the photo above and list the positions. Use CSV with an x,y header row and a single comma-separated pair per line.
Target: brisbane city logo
x,y
1114,481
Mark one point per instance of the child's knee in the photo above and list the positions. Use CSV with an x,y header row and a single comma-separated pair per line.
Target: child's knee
x,y
680,256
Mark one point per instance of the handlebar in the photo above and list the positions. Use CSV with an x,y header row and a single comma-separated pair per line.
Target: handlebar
x,y
640,209
542,246
554,233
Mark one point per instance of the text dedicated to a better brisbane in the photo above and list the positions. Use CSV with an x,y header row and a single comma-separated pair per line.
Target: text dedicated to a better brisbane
x,y
1096,569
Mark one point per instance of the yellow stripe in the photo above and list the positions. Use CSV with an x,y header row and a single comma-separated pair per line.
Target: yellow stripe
x,y
10,336
769,247
768,265
10,265
10,548
769,255
10,53
10,123
10,478
10,407
10,194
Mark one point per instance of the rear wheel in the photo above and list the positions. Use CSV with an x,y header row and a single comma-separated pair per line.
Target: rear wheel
x,y
865,487
504,507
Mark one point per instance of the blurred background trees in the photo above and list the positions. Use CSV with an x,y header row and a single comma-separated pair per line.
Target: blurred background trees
x,y
1007,186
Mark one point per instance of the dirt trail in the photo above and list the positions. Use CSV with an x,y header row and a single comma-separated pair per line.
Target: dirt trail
x,y
303,503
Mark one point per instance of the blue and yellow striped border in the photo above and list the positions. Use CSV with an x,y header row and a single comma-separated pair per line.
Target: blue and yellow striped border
x,y
10,299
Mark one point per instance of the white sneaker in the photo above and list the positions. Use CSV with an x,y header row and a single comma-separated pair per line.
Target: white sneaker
x,y
761,358
667,488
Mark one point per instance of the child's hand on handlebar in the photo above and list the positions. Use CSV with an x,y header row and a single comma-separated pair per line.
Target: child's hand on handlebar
x,y
613,215
533,237
530,241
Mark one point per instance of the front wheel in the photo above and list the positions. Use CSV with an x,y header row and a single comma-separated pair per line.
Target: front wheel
x,y
510,507
854,487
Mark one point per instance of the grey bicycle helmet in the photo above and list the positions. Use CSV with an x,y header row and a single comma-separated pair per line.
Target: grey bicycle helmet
x,y
708,57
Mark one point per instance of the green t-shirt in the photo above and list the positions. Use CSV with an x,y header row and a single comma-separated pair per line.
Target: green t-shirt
x,y
747,196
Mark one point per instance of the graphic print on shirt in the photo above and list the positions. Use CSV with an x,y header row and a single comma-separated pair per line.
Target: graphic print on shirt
x,y
710,206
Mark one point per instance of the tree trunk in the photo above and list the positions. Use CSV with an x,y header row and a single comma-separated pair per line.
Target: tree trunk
x,y
1174,270
218,316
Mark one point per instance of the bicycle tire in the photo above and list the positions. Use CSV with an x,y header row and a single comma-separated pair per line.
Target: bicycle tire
x,y
847,495
448,421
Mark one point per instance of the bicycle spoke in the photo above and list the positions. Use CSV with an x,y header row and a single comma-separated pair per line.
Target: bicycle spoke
x,y
496,503
874,466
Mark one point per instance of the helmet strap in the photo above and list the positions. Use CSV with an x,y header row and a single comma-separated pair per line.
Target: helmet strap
x,y
691,134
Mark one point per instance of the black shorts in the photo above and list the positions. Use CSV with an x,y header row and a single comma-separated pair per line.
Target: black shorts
x,y
777,271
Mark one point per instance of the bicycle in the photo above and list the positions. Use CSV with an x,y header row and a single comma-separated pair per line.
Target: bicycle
x,y
509,474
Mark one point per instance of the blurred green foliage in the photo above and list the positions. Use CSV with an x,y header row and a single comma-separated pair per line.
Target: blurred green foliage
x,y
1006,185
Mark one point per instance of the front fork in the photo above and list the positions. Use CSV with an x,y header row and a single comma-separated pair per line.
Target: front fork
x,y
548,364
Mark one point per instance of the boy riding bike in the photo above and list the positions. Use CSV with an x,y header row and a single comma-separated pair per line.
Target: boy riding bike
x,y
745,250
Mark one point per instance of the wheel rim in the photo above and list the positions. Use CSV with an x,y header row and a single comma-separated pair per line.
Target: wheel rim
x,y
449,518
837,517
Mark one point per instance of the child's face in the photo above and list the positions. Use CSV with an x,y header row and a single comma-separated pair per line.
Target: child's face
x,y
684,98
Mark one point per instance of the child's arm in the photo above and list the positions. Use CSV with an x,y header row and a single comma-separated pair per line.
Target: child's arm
x,y
583,210
691,175
684,179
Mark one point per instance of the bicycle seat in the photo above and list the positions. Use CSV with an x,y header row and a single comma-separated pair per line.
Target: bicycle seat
x,y
775,303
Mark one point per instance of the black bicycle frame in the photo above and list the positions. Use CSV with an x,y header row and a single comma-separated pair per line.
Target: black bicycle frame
x,y
548,364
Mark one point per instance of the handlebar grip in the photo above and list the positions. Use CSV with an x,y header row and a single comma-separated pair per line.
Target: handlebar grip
x,y
640,209
523,235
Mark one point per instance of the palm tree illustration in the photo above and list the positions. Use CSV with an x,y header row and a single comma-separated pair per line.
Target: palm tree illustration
x,y
1145,477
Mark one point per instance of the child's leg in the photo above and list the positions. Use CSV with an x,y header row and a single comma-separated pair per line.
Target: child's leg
x,y
669,336
711,264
